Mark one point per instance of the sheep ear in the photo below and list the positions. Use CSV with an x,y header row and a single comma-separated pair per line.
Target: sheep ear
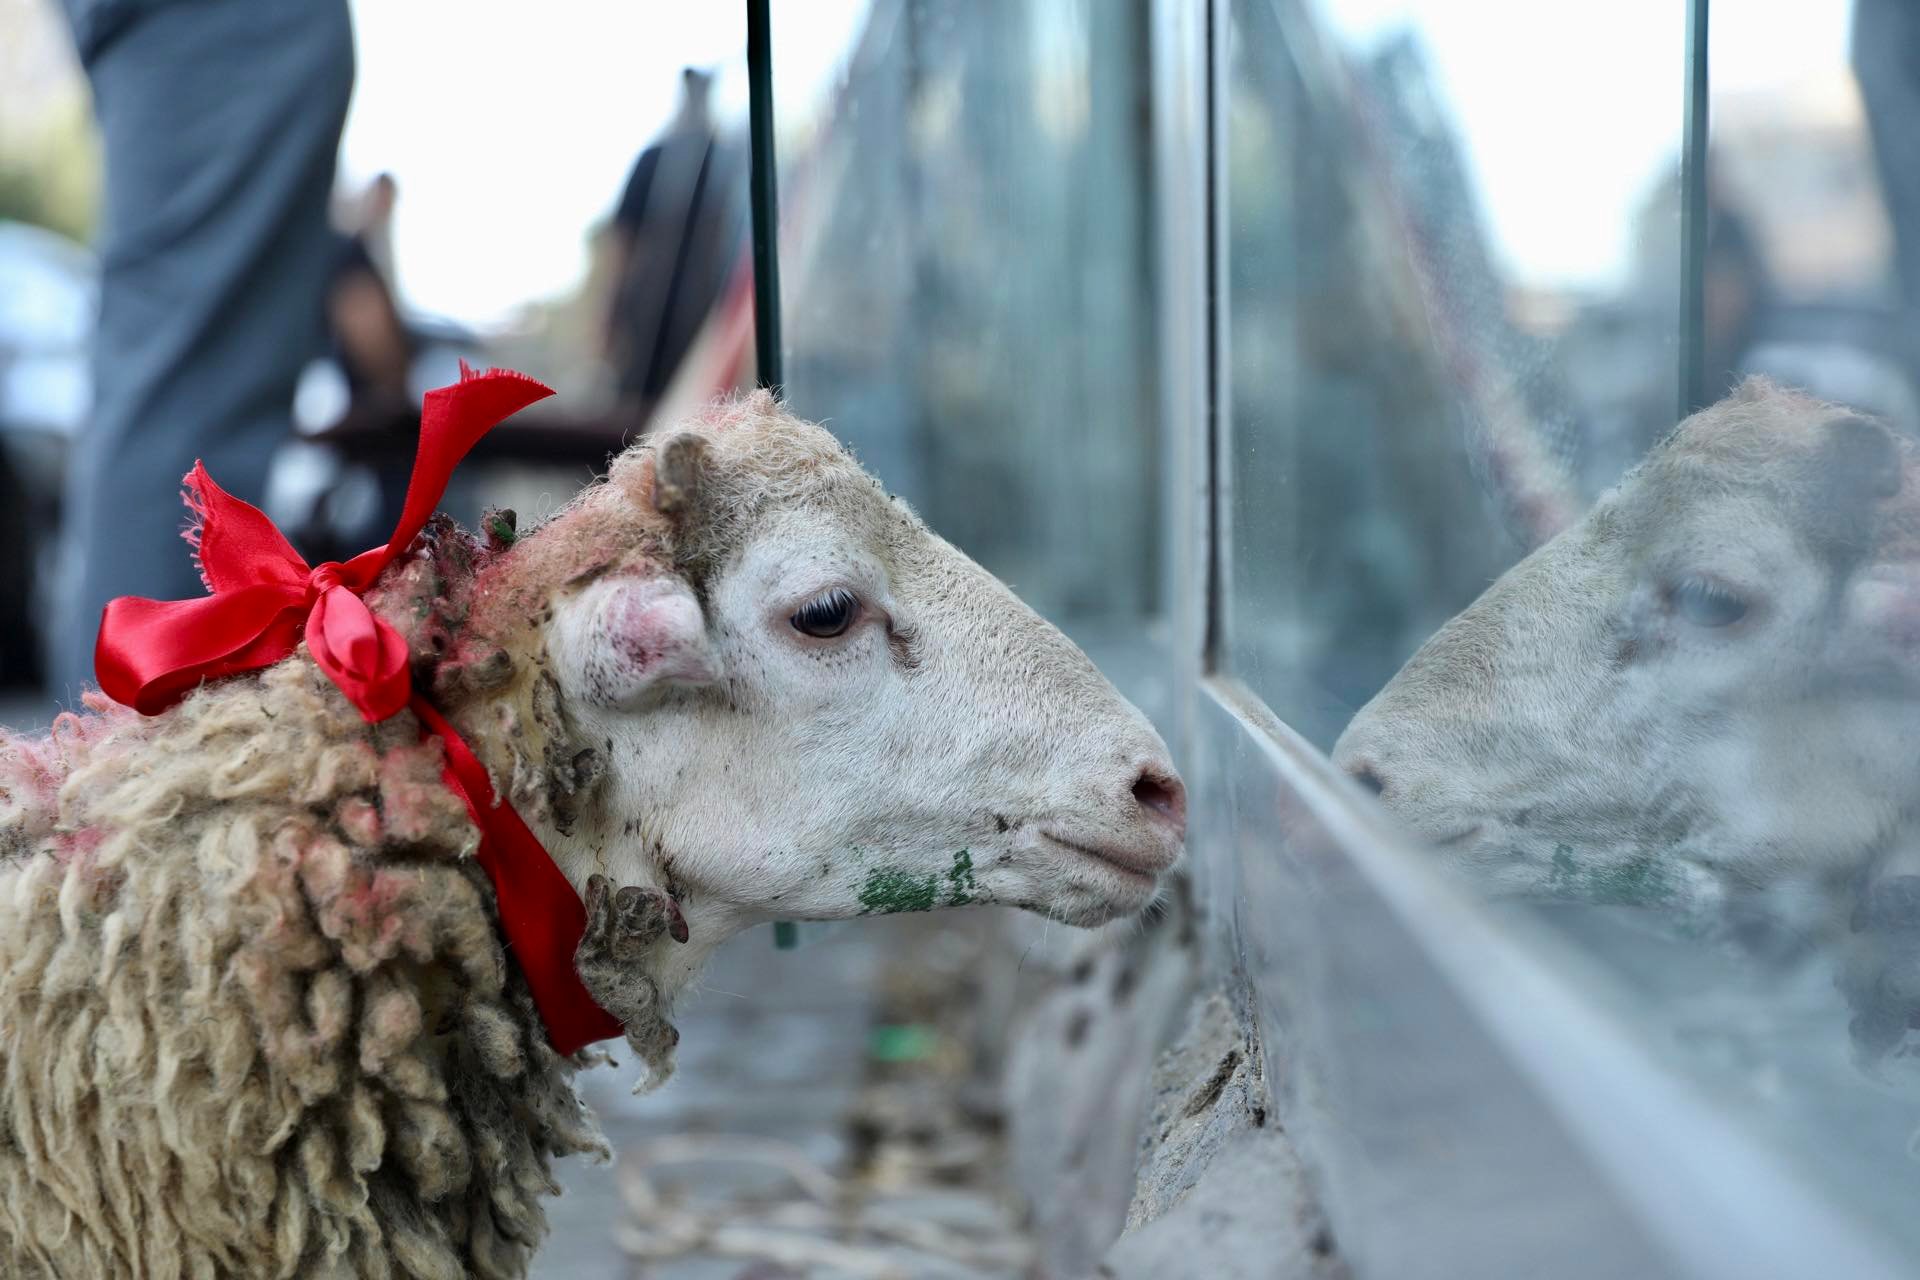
x,y
1860,459
1851,473
622,639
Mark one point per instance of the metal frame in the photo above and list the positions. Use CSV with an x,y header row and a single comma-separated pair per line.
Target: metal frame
x,y
1219,407
1694,212
765,198
764,195
1185,239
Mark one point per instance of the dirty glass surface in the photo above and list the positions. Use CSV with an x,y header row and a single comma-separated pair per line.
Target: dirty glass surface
x,y
967,293
1675,721
1453,308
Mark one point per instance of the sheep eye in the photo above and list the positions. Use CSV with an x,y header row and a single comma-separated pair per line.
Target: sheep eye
x,y
1706,603
828,616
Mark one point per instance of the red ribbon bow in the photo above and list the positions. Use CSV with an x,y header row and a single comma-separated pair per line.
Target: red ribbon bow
x,y
152,653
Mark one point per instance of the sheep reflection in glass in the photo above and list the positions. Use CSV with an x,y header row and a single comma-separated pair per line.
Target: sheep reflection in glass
x,y
1701,697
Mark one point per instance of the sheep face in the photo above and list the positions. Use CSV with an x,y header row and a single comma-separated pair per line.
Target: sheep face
x,y
814,708
1704,687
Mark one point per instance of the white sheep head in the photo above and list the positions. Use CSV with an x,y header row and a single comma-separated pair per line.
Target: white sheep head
x,y
1705,687
767,688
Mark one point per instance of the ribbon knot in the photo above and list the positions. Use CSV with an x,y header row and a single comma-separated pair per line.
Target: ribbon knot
x,y
265,599
323,579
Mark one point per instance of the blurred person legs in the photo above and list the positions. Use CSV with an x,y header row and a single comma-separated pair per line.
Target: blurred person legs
x,y
219,120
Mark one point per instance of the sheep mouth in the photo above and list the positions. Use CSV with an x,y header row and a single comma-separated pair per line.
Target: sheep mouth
x,y
1132,864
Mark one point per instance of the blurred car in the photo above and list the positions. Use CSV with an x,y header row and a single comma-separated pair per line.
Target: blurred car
x,y
48,293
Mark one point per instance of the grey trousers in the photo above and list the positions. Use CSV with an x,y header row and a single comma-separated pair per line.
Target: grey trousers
x,y
1886,63
220,121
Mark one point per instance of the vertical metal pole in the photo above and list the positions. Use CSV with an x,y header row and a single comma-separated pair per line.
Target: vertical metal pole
x,y
1180,224
764,194
1694,392
1215,658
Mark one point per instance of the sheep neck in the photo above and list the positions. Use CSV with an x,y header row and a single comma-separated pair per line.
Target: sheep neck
x,y
673,966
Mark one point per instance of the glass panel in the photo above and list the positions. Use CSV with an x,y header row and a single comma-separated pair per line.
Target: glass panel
x,y
1453,305
1673,720
967,293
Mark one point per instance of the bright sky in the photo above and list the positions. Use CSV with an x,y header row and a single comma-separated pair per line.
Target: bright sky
x,y
1571,111
511,128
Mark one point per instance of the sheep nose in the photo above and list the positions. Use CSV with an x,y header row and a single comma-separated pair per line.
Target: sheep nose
x,y
1160,792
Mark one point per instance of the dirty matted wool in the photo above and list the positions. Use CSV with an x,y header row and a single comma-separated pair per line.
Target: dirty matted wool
x,y
256,1020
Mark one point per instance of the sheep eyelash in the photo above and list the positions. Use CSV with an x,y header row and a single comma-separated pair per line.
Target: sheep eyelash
x,y
1707,601
827,616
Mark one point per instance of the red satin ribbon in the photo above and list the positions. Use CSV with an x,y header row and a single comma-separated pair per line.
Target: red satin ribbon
x,y
152,653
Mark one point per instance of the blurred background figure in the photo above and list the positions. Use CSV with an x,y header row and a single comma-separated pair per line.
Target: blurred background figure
x,y
372,219
368,339
1886,65
219,122
1738,290
675,236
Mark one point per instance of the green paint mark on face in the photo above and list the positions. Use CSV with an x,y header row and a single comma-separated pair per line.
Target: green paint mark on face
x,y
961,888
1564,867
890,890
1640,880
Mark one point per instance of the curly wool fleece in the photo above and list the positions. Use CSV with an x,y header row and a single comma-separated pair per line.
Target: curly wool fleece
x,y
256,1019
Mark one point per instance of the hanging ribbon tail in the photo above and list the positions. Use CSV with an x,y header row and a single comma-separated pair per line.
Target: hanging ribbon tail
x,y
150,653
234,542
360,653
452,421
541,915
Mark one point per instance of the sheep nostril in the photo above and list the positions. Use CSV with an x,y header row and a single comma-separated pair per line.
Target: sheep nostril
x,y
1366,776
1162,793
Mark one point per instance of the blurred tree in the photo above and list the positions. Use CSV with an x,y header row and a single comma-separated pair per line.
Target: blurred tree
x,y
49,157
52,180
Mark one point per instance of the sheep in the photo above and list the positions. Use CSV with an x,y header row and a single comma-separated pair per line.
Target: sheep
x,y
256,1018
1702,697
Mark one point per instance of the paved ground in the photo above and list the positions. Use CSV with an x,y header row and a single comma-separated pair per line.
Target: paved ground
x,y
827,1118
773,1047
